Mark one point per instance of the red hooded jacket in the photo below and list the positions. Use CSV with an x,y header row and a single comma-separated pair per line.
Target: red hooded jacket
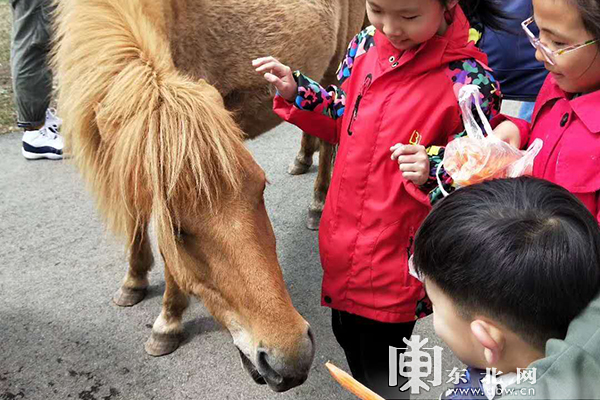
x,y
570,129
371,214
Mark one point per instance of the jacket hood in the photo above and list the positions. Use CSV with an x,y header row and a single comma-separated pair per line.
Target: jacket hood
x,y
571,368
453,45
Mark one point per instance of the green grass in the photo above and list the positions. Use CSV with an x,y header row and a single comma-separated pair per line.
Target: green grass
x,y
8,115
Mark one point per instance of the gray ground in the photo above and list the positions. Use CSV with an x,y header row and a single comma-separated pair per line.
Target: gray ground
x,y
60,335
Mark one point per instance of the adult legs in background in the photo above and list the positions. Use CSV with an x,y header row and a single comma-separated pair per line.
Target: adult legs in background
x,y
32,79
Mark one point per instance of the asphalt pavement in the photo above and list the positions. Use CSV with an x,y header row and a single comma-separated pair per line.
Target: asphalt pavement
x,y
61,337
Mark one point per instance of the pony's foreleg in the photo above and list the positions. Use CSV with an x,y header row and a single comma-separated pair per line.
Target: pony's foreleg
x,y
304,159
167,331
326,155
134,286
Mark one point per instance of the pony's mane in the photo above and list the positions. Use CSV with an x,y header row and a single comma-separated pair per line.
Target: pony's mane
x,y
147,139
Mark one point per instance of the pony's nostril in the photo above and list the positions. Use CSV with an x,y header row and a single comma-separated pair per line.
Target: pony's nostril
x,y
311,352
311,336
265,369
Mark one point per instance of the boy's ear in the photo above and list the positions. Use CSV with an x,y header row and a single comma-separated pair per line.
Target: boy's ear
x,y
490,337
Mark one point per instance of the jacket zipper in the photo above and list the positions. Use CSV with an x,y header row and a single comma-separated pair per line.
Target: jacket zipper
x,y
363,90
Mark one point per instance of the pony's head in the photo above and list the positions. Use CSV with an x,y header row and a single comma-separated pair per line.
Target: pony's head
x,y
217,240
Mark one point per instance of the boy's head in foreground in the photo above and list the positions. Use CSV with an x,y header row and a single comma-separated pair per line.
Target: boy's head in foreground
x,y
507,265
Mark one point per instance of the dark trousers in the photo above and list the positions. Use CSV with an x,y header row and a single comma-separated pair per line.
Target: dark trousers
x,y
366,344
30,45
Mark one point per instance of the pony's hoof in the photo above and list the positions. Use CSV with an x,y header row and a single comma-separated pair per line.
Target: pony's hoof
x,y
161,344
314,219
298,168
127,297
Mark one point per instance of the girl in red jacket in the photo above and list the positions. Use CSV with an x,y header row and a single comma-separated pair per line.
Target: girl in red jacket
x,y
395,103
566,115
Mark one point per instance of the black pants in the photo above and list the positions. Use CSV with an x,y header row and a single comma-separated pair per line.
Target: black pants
x,y
366,344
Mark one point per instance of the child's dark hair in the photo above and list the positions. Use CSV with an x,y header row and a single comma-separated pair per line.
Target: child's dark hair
x,y
486,12
523,251
590,14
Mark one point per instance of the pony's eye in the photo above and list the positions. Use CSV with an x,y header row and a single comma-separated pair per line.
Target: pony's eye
x,y
181,234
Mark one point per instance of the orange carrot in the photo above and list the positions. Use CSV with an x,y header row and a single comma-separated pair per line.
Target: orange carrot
x,y
351,384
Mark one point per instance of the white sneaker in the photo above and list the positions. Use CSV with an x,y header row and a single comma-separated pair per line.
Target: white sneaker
x,y
52,119
43,143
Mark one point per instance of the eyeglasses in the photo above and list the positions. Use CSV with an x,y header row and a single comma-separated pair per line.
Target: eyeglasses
x,y
550,55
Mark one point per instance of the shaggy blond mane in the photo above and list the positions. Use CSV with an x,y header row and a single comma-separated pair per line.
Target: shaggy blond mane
x,y
145,137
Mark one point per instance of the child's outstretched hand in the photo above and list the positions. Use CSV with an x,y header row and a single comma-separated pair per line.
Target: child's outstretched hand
x,y
413,162
278,75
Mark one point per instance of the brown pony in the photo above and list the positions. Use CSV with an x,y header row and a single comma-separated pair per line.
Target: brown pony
x,y
157,97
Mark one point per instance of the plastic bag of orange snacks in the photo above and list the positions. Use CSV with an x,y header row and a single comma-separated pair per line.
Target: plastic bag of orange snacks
x,y
478,157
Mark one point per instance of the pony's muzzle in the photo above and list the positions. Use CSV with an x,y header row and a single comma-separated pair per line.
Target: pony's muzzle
x,y
281,372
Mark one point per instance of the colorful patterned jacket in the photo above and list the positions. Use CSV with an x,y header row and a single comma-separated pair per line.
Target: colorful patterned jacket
x,y
372,213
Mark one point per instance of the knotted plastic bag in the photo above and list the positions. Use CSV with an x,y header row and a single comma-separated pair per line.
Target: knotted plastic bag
x,y
476,157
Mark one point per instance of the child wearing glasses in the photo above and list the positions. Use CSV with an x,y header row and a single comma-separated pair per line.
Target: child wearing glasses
x,y
567,111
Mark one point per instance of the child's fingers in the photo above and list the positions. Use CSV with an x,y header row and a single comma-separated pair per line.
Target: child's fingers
x,y
397,150
412,167
406,149
275,81
396,153
412,149
412,176
263,60
269,65
410,159
396,147
275,68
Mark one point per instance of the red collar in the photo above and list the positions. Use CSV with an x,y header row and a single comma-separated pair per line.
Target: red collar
x,y
586,107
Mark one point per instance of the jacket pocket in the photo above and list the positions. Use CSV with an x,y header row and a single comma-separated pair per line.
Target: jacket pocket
x,y
578,170
394,289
